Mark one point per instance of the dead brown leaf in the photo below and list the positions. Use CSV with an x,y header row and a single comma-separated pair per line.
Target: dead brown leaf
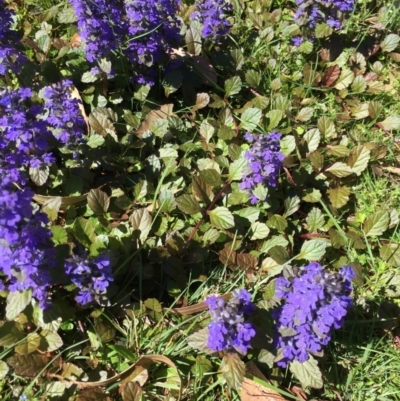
x,y
331,74
165,111
252,391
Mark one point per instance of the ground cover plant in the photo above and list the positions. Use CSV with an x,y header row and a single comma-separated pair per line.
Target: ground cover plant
x,y
199,200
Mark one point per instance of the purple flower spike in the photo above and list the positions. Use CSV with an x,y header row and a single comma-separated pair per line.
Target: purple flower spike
x,y
314,303
229,329
212,14
91,276
10,58
264,161
322,11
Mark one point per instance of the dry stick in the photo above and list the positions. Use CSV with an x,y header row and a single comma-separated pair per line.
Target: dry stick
x,y
211,205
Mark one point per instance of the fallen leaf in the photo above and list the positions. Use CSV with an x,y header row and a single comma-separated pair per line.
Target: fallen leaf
x,y
163,112
253,391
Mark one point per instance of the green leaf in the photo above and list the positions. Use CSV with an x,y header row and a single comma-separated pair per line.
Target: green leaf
x,y
3,370
306,47
390,253
250,119
249,213
153,304
390,42
95,140
84,231
312,195
210,236
323,30
312,138
211,177
202,365
345,79
338,150
288,144
198,340
10,333
193,38
53,340
326,127
305,114
338,196
98,201
377,223
51,207
66,16
391,123
340,169
206,130
278,222
312,250
140,220
39,175
236,169
292,205
221,217
359,84
188,204
359,158
105,330
17,302
142,93
201,189
315,220
274,241
55,389
166,201
233,86
253,78
275,116
30,344
259,231
307,373
233,370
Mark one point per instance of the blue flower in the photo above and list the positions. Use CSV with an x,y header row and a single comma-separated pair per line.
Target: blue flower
x,y
10,58
313,12
314,303
229,329
91,276
264,162
213,16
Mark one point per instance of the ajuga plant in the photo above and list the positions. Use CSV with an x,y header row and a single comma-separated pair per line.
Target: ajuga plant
x,y
314,302
228,330
264,160
11,59
212,14
313,12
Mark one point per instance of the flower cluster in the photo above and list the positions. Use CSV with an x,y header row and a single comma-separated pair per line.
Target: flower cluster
x,y
153,29
24,135
314,302
212,14
228,329
144,30
64,114
101,26
264,162
26,250
10,57
91,276
313,12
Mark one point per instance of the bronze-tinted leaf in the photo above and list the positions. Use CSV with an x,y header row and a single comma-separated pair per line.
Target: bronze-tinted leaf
x,y
132,392
27,365
331,74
